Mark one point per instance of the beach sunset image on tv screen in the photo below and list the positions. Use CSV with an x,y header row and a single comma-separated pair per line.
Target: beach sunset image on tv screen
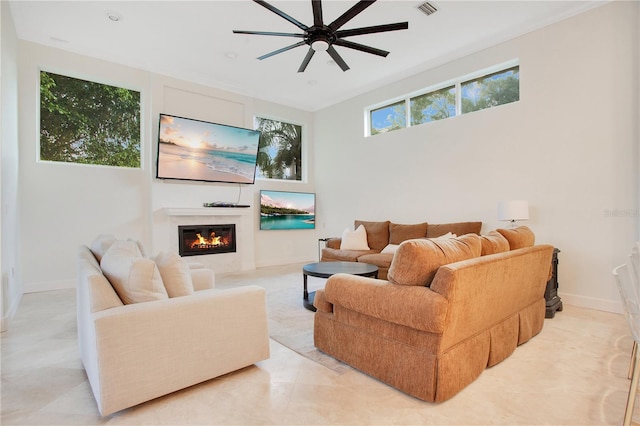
x,y
198,150
287,210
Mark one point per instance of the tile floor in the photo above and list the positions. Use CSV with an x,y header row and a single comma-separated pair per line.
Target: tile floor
x,y
574,372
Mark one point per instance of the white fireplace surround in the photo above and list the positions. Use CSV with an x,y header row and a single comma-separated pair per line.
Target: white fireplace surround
x,y
244,257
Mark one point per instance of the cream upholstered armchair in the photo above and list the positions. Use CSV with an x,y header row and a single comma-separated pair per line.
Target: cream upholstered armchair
x,y
135,352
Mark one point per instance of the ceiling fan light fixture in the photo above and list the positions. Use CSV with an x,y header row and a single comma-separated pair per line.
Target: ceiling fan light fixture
x,y
320,45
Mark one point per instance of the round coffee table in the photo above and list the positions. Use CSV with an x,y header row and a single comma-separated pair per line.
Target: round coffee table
x,y
327,269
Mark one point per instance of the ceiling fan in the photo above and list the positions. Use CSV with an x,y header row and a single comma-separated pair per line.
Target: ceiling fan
x,y
321,37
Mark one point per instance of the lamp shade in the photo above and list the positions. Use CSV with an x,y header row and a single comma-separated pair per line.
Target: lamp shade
x,y
513,210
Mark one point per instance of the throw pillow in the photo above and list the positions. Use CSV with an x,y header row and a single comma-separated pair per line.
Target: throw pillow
x,y
133,277
417,261
175,273
399,233
354,240
100,245
377,233
140,246
390,248
519,237
493,243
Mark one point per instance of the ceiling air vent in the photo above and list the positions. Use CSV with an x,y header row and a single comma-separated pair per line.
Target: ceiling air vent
x,y
428,8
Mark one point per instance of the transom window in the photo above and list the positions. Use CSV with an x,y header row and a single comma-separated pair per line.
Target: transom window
x,y
460,96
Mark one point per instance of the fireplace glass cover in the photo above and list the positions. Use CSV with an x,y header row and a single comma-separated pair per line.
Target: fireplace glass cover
x,y
206,239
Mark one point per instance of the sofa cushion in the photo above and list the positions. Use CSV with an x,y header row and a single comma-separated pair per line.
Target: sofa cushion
x,y
381,260
134,278
377,233
100,245
417,261
458,228
175,273
518,237
337,255
493,243
399,233
390,248
354,240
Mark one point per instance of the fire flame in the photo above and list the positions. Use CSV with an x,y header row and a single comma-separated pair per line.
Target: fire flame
x,y
212,241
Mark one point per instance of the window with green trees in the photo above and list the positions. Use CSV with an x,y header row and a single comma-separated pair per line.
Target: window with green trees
x,y
89,123
279,150
459,96
388,118
491,90
433,106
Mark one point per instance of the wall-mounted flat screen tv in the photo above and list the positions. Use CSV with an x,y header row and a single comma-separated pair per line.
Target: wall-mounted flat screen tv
x,y
197,150
287,210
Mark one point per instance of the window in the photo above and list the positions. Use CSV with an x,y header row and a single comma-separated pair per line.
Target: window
x,y
433,106
491,90
279,150
461,96
89,123
388,118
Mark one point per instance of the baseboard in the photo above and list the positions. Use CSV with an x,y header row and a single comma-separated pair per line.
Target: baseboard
x,y
614,306
49,286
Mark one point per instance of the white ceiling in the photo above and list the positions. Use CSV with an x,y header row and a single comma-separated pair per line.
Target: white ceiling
x,y
193,40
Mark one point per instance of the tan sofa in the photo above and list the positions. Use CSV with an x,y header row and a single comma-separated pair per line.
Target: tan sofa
x,y
445,314
381,234
133,353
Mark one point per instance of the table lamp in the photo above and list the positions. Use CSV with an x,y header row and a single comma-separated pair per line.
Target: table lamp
x,y
513,210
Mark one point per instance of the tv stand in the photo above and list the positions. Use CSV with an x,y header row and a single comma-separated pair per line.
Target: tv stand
x,y
225,204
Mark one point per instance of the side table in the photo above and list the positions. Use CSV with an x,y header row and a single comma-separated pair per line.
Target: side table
x,y
551,292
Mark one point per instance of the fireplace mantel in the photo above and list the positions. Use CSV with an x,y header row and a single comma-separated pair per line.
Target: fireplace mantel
x,y
208,211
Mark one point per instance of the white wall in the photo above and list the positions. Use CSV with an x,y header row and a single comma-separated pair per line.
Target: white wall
x,y
66,205
569,147
11,290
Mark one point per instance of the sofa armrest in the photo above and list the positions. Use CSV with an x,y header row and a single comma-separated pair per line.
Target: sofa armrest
x,y
333,243
203,279
412,306
146,350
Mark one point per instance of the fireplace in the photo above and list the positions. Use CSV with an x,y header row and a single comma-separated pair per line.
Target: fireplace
x,y
195,240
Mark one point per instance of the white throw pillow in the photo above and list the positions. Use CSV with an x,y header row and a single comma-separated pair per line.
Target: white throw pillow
x,y
175,273
100,245
390,248
354,240
134,278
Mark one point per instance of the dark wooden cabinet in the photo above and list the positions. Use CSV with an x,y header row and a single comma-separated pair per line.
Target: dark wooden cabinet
x,y
551,293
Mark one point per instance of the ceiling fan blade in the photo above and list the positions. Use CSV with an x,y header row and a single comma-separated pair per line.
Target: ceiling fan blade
x,y
268,33
350,14
306,60
282,14
361,47
373,29
284,49
317,13
337,58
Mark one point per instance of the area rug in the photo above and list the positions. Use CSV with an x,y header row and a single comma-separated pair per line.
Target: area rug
x,y
290,324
